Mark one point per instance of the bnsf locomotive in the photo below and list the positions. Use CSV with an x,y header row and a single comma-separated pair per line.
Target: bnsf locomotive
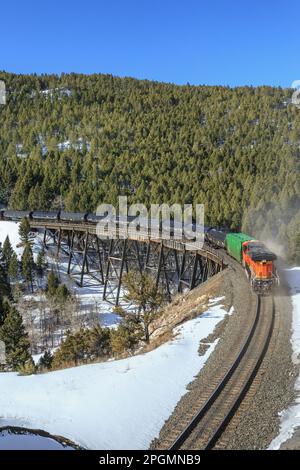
x,y
256,259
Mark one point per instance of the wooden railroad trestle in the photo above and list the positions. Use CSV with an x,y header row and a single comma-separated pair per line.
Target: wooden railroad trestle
x,y
175,265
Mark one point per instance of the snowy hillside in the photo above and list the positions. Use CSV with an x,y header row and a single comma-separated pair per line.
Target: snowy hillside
x,y
114,405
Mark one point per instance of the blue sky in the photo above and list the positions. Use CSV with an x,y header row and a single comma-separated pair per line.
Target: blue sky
x,y
200,42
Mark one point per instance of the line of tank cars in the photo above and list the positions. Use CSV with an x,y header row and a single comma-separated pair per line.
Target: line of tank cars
x,y
257,260
41,216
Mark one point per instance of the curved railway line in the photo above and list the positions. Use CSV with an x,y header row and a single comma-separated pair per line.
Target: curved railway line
x,y
204,426
205,423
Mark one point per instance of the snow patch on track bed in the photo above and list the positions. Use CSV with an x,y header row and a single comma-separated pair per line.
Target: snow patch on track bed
x,y
119,404
290,418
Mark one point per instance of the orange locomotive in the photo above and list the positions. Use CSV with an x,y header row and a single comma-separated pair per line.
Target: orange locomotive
x,y
258,262
255,257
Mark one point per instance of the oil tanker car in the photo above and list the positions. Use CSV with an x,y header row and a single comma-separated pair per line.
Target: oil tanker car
x,y
254,256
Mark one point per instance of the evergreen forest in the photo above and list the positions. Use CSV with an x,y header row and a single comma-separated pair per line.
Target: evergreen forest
x,y
74,141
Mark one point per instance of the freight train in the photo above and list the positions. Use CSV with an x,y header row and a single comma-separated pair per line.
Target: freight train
x,y
88,218
255,258
50,216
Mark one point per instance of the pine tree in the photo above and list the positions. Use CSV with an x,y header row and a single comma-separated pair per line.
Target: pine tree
x,y
13,334
125,338
7,251
296,250
5,291
4,284
28,368
142,292
62,293
46,360
40,263
52,284
13,267
4,307
28,265
83,346
24,231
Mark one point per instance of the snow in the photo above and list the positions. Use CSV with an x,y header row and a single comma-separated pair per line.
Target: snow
x,y
231,311
89,297
53,92
61,91
93,404
12,230
290,418
37,357
19,151
216,299
118,404
67,145
64,145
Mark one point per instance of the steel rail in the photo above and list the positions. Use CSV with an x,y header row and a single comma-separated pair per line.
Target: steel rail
x,y
221,385
217,434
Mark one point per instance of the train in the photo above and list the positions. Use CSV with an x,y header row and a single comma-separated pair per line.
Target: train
x,y
51,216
88,218
257,261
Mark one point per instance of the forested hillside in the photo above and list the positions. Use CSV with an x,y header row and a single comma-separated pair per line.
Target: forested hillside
x,y
79,140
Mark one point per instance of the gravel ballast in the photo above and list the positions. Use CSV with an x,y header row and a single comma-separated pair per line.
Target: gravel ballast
x,y
257,422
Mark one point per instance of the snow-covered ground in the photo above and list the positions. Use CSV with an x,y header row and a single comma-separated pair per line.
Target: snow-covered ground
x,y
67,145
11,229
89,297
57,92
290,418
79,144
113,405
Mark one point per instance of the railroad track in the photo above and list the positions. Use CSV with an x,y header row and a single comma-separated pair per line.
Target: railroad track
x,y
204,430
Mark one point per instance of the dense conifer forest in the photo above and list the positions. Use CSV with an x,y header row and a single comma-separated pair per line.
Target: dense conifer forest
x,y
75,141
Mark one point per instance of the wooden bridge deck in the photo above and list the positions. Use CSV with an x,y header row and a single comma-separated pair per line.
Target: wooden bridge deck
x,y
176,264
